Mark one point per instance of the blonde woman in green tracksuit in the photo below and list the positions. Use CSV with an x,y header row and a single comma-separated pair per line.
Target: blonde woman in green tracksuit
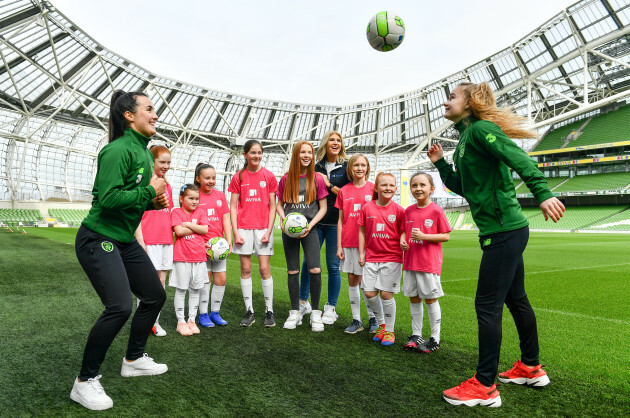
x,y
483,158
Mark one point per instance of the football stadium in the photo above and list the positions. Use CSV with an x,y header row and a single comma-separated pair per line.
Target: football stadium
x,y
569,78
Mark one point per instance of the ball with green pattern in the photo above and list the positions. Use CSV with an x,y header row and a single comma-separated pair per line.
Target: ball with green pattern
x,y
385,31
294,224
218,249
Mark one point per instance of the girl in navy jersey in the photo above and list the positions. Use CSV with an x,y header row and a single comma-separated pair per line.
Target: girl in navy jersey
x,y
381,224
215,205
426,228
303,191
253,212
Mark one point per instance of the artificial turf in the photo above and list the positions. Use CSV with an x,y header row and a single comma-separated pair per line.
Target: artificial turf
x,y
577,283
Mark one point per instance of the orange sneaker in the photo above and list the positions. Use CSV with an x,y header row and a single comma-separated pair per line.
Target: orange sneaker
x,y
521,374
193,327
379,333
183,329
471,392
388,338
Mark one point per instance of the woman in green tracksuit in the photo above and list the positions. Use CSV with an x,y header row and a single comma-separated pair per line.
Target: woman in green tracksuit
x,y
483,158
124,187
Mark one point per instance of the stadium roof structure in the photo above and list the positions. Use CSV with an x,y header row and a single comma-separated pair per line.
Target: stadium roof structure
x,y
56,81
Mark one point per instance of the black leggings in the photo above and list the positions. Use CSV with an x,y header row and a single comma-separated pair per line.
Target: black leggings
x,y
502,280
310,244
116,270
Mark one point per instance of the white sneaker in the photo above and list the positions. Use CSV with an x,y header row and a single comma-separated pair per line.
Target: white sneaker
x,y
158,331
293,320
316,321
330,315
144,366
305,308
91,394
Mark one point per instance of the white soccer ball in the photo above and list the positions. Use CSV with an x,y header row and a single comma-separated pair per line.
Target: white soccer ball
x,y
219,249
294,224
385,31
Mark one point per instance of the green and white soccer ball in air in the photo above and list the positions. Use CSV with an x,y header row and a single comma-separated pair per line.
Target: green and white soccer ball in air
x,y
294,224
385,31
218,249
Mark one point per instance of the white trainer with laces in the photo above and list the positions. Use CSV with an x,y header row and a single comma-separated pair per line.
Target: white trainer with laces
x,y
330,315
144,366
91,394
158,331
293,320
305,308
316,321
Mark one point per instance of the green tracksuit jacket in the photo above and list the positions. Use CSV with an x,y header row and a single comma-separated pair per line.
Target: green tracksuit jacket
x,y
121,188
482,176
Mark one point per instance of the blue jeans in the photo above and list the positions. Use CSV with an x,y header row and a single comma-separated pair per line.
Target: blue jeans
x,y
326,233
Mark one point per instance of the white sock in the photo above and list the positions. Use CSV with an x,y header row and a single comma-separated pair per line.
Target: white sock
x,y
193,304
389,311
416,318
367,305
180,302
377,308
246,288
267,286
217,298
355,301
204,297
435,319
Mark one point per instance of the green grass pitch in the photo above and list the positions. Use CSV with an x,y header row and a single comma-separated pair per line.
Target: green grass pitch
x,y
577,283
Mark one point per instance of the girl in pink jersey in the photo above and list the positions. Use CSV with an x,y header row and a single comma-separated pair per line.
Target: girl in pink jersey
x,y
154,233
215,205
350,200
426,228
253,212
189,257
302,190
381,224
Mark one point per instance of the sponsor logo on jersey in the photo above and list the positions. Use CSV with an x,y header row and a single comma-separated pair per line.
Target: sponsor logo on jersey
x,y
300,198
263,184
210,212
391,218
194,221
354,214
415,241
357,206
253,192
107,246
141,171
428,223
380,227
491,138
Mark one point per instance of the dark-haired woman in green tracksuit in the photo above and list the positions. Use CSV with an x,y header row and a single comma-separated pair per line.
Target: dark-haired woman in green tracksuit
x,y
124,187
483,158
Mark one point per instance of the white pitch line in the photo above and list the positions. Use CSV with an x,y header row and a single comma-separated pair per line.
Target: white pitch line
x,y
527,273
554,311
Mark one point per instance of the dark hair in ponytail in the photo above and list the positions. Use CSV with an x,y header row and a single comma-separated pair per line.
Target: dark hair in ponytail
x,y
248,145
200,167
121,103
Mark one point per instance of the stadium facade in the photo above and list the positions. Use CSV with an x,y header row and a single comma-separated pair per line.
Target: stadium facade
x,y
56,81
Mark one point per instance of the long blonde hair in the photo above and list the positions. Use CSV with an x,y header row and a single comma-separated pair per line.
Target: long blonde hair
x,y
484,106
292,186
321,151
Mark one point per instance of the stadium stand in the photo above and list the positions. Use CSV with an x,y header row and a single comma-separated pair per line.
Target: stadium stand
x,y
609,127
596,182
70,216
555,139
13,217
452,217
618,222
551,182
467,222
578,217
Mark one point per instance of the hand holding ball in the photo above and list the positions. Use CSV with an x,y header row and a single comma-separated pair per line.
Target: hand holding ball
x,y
218,249
294,225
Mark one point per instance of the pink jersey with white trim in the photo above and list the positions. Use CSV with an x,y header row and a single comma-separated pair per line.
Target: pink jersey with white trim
x,y
156,224
215,206
253,197
383,227
351,200
423,255
191,248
